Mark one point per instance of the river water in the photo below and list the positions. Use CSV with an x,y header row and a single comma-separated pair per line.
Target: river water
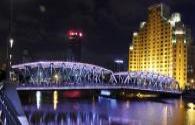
x,y
70,108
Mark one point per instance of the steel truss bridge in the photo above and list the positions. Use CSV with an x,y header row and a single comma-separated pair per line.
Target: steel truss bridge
x,y
59,75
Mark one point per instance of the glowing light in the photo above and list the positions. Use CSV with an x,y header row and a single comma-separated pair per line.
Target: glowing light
x,y
38,99
42,8
58,64
56,76
55,100
119,61
139,95
10,56
142,24
175,18
192,80
74,34
131,47
173,40
105,93
185,41
11,41
191,105
135,34
80,34
190,114
179,32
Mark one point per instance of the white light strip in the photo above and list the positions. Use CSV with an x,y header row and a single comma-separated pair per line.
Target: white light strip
x,y
59,64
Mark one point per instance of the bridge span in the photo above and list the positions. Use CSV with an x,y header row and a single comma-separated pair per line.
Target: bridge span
x,y
59,75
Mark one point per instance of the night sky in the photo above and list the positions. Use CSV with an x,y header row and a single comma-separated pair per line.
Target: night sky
x,y
40,26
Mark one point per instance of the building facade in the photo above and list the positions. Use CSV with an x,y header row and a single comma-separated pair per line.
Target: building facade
x,y
161,45
73,47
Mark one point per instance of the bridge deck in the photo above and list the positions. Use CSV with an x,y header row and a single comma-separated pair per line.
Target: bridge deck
x,y
97,88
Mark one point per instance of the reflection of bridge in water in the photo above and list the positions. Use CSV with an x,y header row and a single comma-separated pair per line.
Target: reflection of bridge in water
x,y
69,112
70,75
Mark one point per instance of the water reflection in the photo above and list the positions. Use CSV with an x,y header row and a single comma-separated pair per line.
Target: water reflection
x,y
55,100
190,114
53,108
38,99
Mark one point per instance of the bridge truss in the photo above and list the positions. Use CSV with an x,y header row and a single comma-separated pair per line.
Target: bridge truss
x,y
72,75
60,73
147,81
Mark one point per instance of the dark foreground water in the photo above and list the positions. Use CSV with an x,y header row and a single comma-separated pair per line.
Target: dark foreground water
x,y
67,108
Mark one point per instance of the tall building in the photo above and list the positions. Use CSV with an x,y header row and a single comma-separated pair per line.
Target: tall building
x,y
74,46
161,45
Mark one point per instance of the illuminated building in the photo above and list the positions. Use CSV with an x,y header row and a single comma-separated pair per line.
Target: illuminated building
x,y
191,66
161,44
74,45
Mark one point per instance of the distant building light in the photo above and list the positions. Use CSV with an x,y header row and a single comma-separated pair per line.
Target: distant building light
x,y
119,61
175,18
192,80
131,47
179,32
74,34
173,40
142,24
135,34
185,41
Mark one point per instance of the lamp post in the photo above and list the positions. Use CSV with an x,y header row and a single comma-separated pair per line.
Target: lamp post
x,y
10,43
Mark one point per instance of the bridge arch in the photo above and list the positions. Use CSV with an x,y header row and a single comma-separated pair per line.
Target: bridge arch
x,y
146,80
60,72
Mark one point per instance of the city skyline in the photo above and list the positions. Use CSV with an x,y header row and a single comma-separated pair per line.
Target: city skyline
x,y
97,62
115,35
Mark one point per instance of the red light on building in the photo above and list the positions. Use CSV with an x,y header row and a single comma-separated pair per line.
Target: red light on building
x,y
73,34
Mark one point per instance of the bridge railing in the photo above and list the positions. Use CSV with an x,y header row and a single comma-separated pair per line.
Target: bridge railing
x,y
93,86
8,115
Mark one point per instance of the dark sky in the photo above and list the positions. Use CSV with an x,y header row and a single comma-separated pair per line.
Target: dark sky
x,y
40,26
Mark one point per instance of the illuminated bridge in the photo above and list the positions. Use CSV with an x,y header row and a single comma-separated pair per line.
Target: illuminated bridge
x,y
58,75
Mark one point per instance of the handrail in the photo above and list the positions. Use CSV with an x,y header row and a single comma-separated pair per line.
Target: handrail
x,y
8,114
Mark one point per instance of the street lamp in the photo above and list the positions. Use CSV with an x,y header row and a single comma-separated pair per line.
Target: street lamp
x,y
11,42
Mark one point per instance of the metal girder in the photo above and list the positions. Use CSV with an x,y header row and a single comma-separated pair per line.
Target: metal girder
x,y
57,72
148,80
